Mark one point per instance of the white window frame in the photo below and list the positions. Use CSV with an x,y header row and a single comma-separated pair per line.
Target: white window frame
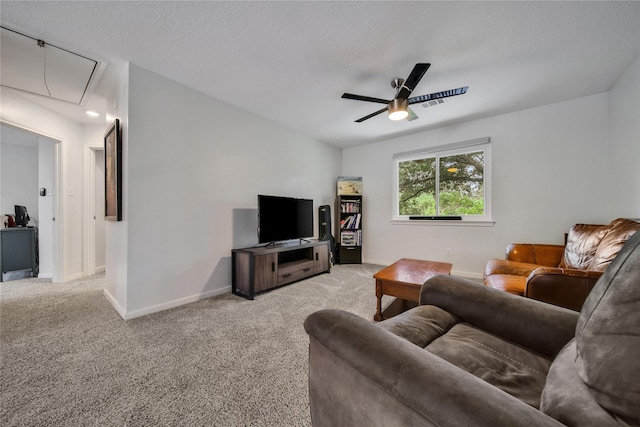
x,y
479,144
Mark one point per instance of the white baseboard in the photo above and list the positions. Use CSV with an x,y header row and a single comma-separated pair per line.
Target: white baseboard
x,y
171,304
466,274
114,303
73,277
45,275
100,269
376,262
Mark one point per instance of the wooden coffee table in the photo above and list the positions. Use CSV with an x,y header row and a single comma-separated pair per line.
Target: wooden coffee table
x,y
404,278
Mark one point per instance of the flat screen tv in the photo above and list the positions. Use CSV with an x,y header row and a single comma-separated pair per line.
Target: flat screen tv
x,y
284,218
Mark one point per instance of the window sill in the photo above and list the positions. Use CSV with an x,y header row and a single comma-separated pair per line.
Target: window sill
x,y
463,223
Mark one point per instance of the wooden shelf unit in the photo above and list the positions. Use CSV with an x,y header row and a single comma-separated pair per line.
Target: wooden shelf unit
x,y
262,268
349,224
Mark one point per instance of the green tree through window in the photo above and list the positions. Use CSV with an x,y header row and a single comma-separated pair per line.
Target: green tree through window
x,y
417,187
458,179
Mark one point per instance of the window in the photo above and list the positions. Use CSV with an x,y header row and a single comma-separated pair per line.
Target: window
x,y
446,181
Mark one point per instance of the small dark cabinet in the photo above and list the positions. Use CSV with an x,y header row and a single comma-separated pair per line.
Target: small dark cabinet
x,y
18,253
267,267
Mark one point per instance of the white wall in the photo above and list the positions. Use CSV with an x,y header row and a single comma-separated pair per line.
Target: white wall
x,y
194,163
19,177
116,251
550,170
21,113
624,138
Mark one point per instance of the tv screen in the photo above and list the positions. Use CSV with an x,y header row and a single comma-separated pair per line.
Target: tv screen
x,y
284,218
22,217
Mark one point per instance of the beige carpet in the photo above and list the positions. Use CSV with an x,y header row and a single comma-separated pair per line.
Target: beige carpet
x,y
67,358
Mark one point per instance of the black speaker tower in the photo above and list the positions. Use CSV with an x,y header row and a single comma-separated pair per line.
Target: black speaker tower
x,y
324,228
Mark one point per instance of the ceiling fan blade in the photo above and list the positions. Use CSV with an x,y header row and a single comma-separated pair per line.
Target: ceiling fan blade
x,y
365,98
412,115
412,81
437,95
362,119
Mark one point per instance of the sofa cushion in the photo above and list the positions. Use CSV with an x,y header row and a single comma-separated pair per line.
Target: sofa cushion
x,y
420,325
507,283
620,230
514,268
508,276
535,253
582,243
608,335
564,391
503,364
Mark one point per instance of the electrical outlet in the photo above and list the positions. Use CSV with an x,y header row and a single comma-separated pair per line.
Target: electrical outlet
x,y
447,252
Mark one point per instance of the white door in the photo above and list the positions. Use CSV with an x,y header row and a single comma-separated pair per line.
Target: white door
x,y
99,212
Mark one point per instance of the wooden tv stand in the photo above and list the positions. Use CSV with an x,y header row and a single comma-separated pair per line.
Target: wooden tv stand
x,y
262,268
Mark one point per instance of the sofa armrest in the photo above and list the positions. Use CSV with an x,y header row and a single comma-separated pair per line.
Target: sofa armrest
x,y
533,324
361,374
533,253
564,287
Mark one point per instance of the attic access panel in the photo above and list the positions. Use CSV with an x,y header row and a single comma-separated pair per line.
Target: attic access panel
x,y
34,66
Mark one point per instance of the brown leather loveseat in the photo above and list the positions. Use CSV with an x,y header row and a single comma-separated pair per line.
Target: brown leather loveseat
x,y
560,275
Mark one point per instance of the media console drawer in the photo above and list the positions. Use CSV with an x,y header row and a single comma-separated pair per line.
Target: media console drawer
x,y
259,269
294,271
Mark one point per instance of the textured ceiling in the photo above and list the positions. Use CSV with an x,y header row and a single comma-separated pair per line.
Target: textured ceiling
x,y
291,61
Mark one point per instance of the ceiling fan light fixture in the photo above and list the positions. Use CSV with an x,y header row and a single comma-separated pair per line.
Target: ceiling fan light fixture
x,y
398,109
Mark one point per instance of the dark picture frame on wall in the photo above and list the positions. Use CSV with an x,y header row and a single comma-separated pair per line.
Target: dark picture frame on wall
x,y
113,173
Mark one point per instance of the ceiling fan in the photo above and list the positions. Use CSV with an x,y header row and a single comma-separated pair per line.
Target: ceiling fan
x,y
398,107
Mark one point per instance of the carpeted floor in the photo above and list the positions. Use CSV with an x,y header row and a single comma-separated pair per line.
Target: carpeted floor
x,y
68,359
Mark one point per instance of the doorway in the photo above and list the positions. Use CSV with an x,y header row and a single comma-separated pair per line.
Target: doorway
x,y
31,177
98,213
95,242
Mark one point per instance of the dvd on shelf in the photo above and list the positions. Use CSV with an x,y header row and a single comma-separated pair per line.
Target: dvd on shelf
x,y
350,206
351,222
351,238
